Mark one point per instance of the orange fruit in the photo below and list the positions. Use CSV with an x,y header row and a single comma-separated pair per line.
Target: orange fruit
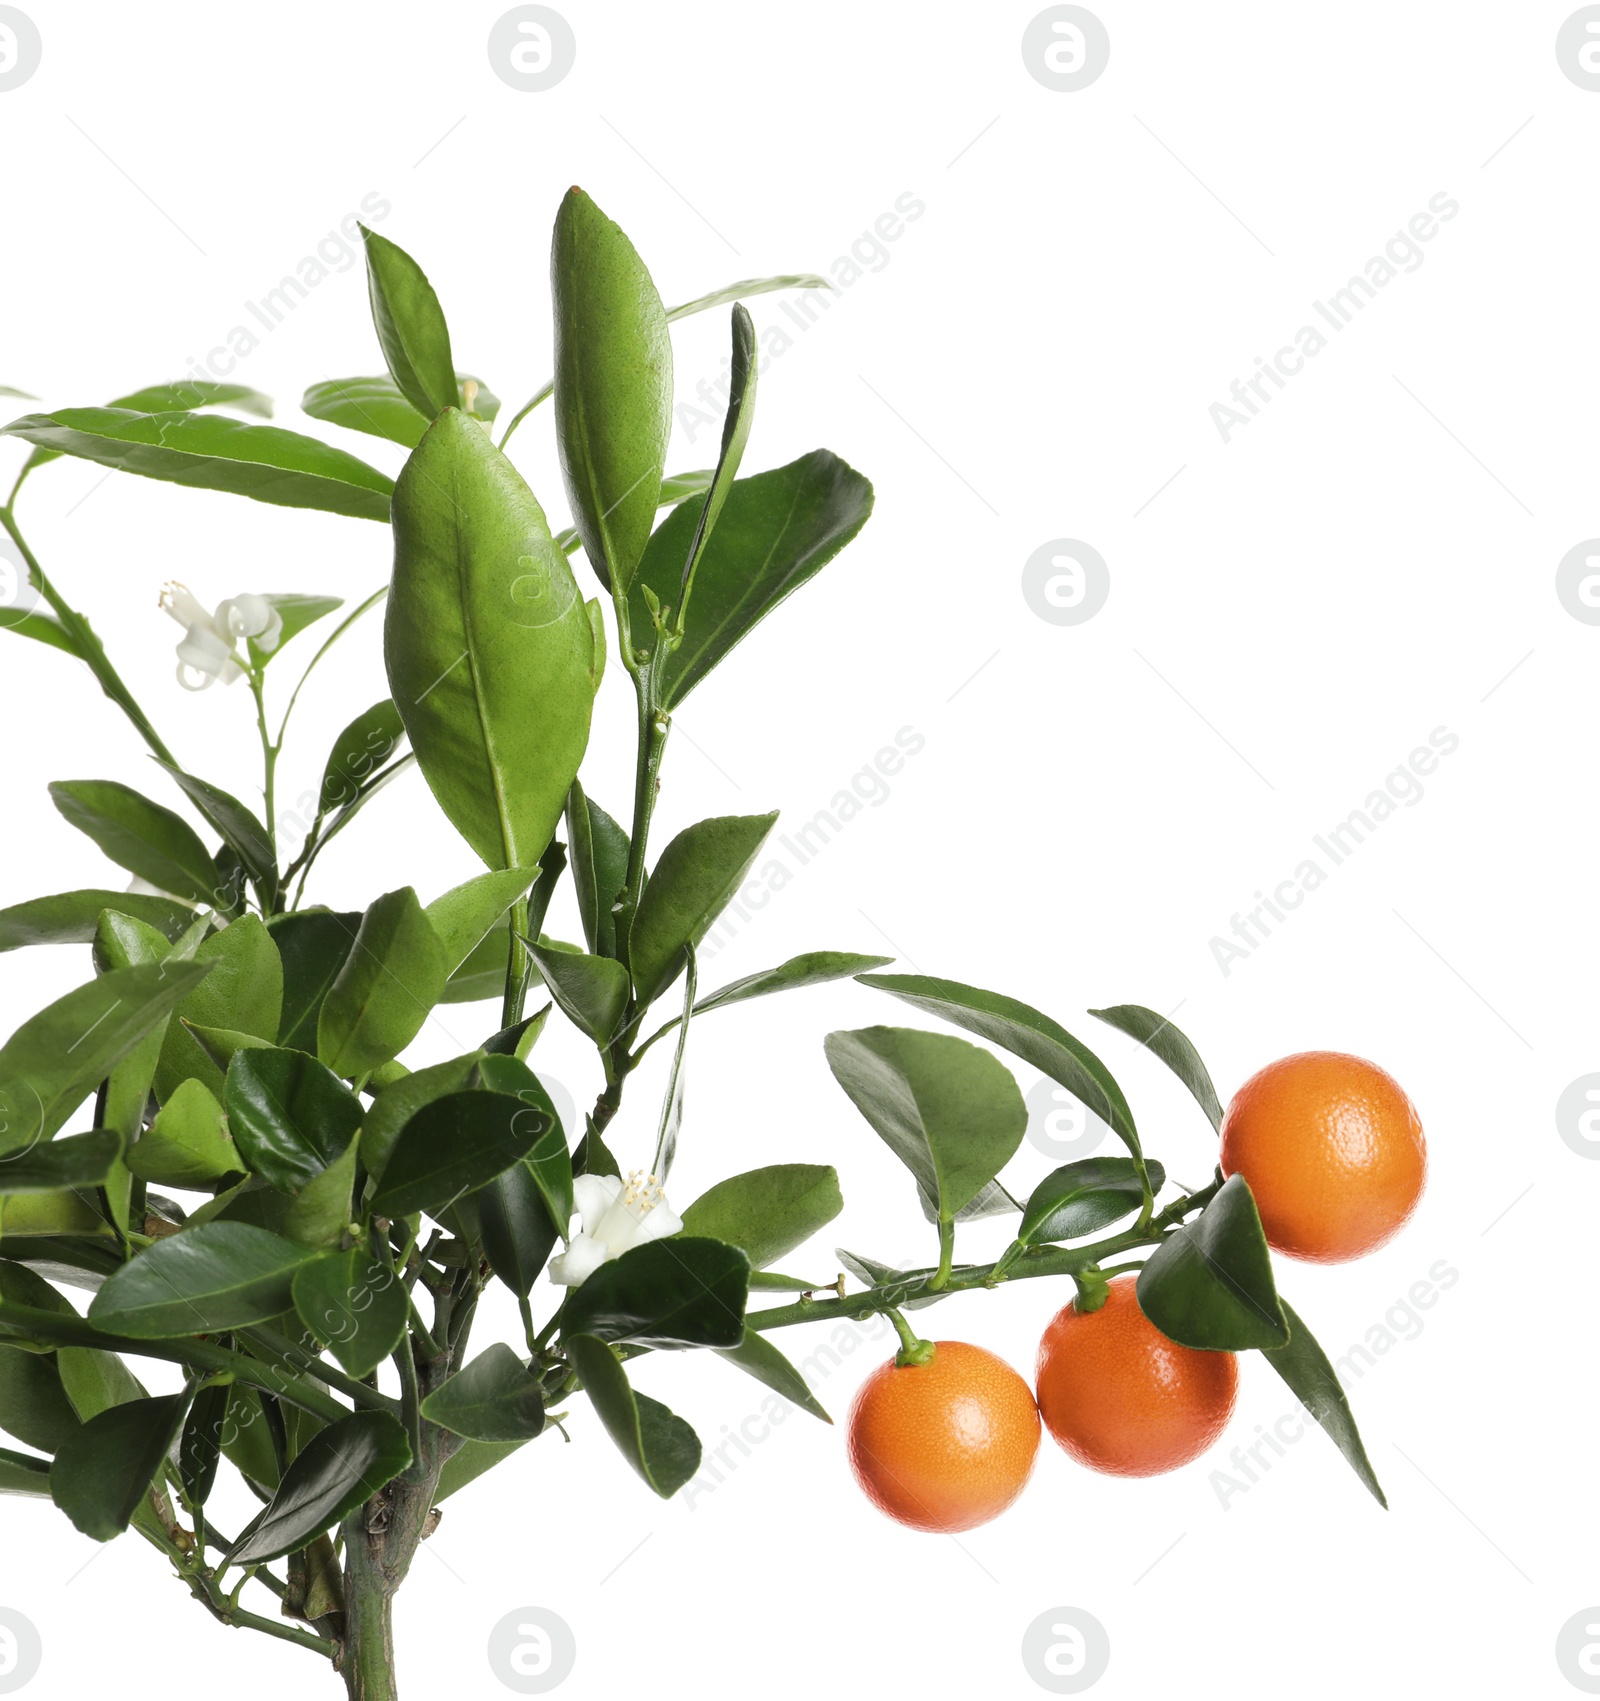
x,y
1120,1397
1333,1151
945,1445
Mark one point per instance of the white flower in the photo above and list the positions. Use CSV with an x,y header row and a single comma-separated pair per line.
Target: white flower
x,y
207,650
615,1217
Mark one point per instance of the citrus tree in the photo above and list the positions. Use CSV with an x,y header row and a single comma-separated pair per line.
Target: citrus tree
x,y
214,1138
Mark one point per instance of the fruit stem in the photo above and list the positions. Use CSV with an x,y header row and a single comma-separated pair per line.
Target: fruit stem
x,y
913,1350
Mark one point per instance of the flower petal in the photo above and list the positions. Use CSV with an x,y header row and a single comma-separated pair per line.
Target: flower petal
x,y
657,1223
183,605
582,1258
592,1197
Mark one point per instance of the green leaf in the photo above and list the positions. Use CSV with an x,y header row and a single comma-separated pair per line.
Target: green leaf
x,y
591,991
191,393
466,913
681,1292
358,753
394,1107
312,946
1027,1033
209,452
767,1212
1305,1367
735,435
811,968
948,1110
775,531
613,387
1083,1198
95,1381
200,1445
393,977
743,290
243,995
354,1306
490,653
411,327
549,1162
494,1398
599,855
756,1356
291,1116
143,837
693,880
239,827
80,1160
659,1445
70,918
57,1058
471,1460
320,1212
217,1276
42,627
991,1200
105,1469
374,405
34,1407
515,1223
20,1473
187,1145
339,1468
1172,1046
296,610
453,1146
483,974
1209,1284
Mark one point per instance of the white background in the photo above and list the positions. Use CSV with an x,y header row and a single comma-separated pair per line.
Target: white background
x,y
1294,612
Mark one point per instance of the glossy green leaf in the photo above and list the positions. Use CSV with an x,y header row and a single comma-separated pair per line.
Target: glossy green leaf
x,y
590,991
471,1460
756,1356
494,1398
341,1467
549,1162
613,386
410,325
243,994
1172,1046
489,649
599,856
811,968
187,1145
143,837
521,1037
466,912
453,1146
312,946
321,1212
105,1469
515,1223
692,881
682,1292
296,610
34,1407
239,827
1027,1033
743,366
1209,1284
775,531
70,918
659,1445
375,406
393,977
217,1276
483,974
767,1212
209,452
200,1444
948,1110
21,1473
76,1160
58,1057
290,1115
191,393
360,752
398,1103
354,1306
1305,1367
1084,1197
96,1380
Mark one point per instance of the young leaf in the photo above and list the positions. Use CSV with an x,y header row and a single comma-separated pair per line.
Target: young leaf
x,y
466,912
948,1110
358,753
1172,1046
774,532
354,1306
613,387
453,1146
212,1277
490,653
1083,1198
140,836
1305,1367
187,1145
599,855
411,327
735,435
756,1356
290,1116
494,1398
212,453
312,946
57,1058
104,1470
591,991
767,1212
339,1468
693,880
659,1445
1209,1284
296,610
680,1292
393,977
